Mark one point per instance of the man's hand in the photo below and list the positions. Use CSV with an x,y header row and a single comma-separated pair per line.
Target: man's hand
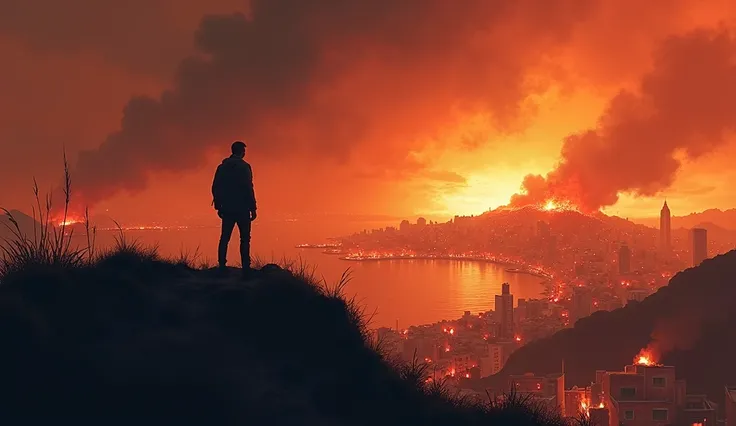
x,y
253,215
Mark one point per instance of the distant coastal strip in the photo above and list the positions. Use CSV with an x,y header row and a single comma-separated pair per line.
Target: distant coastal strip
x,y
515,267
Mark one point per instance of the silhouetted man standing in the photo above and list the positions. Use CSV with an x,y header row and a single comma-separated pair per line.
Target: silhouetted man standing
x,y
235,202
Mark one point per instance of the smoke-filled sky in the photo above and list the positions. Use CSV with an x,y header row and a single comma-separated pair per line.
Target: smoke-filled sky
x,y
352,106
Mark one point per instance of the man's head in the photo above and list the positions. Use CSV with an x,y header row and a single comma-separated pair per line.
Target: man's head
x,y
238,149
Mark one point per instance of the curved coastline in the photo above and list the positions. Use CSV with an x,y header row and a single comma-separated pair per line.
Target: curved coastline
x,y
516,267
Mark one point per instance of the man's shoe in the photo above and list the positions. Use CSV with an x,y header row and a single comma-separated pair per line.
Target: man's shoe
x,y
247,273
222,271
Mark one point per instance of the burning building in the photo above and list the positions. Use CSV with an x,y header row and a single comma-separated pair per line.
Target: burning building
x,y
575,399
646,393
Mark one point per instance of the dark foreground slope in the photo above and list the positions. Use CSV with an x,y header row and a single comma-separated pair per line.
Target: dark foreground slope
x,y
690,323
132,340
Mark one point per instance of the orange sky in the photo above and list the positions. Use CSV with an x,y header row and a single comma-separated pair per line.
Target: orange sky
x,y
393,112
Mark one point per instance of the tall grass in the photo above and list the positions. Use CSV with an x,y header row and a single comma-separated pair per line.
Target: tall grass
x,y
49,244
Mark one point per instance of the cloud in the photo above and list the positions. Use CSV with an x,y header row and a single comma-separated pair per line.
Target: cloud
x,y
328,79
682,108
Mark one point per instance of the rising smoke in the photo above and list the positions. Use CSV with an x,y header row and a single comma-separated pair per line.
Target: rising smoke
x,y
683,109
318,78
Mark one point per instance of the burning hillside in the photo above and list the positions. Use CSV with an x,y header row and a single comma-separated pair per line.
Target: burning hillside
x,y
545,205
557,205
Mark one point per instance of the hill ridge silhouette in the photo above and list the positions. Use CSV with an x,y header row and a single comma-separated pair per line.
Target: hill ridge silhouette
x,y
131,339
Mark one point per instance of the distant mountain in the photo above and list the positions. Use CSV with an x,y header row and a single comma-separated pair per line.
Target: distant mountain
x,y
725,219
567,219
690,322
25,222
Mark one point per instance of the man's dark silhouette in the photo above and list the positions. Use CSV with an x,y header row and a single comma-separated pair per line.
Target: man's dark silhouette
x,y
235,202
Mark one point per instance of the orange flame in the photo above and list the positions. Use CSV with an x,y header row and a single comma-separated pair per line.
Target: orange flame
x,y
557,205
585,407
645,357
549,205
67,219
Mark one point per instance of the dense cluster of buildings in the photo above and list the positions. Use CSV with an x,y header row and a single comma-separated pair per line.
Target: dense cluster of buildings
x,y
473,346
642,394
590,264
590,249
478,345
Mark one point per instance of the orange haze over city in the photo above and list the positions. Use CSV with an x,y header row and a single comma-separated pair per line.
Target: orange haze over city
x,y
400,108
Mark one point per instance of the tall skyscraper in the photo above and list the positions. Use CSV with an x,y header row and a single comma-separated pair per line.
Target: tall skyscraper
x,y
505,310
624,260
665,232
699,240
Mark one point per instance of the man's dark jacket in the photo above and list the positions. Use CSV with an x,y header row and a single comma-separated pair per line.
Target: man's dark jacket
x,y
232,188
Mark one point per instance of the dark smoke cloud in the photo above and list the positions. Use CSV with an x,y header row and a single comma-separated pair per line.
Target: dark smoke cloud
x,y
322,77
141,36
683,108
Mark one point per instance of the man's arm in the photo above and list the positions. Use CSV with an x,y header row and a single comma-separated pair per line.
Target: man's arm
x,y
216,182
251,188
